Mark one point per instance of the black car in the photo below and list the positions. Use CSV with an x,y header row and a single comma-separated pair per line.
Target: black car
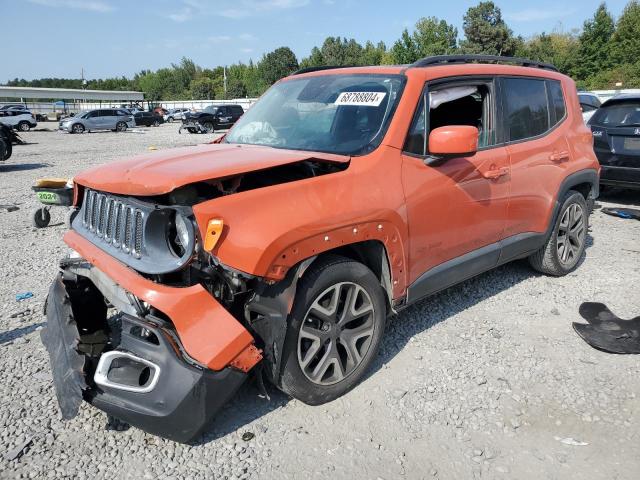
x,y
148,119
616,140
212,118
588,101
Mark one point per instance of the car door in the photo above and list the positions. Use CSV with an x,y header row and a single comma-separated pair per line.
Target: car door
x,y
538,151
224,117
456,207
92,120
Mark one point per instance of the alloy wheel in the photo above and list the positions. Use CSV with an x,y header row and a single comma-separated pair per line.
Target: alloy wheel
x,y
336,333
571,234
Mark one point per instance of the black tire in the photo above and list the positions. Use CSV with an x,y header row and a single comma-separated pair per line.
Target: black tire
x,y
24,126
5,148
209,127
192,130
77,128
170,119
549,259
156,123
121,127
40,217
331,272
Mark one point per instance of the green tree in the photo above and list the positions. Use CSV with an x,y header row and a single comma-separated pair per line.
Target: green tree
x,y
557,48
435,37
487,33
277,64
373,54
625,43
594,51
404,50
203,88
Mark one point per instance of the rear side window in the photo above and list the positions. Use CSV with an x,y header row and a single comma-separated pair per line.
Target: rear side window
x,y
557,100
526,108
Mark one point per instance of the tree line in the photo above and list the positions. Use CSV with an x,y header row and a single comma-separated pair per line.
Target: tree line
x,y
603,54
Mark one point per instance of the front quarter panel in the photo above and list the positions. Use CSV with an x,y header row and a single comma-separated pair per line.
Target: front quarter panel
x,y
268,230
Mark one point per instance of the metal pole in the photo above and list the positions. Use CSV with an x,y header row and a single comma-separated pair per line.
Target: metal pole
x,y
224,73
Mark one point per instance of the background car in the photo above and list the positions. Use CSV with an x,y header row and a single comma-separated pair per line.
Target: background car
x,y
589,103
616,140
175,114
13,107
148,119
19,119
115,119
212,118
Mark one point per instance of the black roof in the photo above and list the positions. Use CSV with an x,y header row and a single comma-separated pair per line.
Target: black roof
x,y
622,98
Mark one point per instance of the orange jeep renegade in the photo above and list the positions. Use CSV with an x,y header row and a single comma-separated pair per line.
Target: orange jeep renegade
x,y
343,195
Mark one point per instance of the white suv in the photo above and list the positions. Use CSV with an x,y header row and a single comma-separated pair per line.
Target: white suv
x,y
19,119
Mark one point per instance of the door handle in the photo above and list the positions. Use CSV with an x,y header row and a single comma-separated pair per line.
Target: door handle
x,y
495,174
559,156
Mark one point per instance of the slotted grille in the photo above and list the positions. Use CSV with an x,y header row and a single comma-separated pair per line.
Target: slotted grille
x,y
113,221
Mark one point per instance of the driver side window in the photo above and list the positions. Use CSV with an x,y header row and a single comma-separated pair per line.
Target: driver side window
x,y
445,105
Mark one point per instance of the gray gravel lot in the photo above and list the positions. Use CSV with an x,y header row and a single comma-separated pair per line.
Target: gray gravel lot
x,y
487,379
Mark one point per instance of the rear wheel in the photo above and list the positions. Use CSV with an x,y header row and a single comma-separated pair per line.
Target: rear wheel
x,y
121,127
334,331
565,247
24,126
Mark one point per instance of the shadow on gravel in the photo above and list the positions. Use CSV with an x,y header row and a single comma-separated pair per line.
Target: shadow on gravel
x,y
246,406
441,306
11,335
18,167
617,195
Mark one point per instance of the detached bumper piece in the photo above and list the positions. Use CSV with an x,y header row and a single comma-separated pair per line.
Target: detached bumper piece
x,y
194,124
606,331
138,373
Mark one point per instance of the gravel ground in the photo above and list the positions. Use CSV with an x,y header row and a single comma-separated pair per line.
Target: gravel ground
x,y
487,379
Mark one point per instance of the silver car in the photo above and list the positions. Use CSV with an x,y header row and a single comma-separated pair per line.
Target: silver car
x,y
114,119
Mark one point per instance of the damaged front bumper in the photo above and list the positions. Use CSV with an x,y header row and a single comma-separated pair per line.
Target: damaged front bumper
x,y
193,125
144,382
168,376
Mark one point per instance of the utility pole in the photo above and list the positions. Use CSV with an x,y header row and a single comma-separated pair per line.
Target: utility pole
x,y
224,77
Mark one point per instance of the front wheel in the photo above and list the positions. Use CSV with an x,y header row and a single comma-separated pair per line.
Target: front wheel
x,y
24,126
566,245
156,123
121,127
192,130
334,330
208,127
77,128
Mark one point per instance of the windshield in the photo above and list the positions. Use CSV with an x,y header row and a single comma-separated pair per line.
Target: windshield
x,y
344,114
618,115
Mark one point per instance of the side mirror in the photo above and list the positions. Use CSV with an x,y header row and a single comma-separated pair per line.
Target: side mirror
x,y
453,141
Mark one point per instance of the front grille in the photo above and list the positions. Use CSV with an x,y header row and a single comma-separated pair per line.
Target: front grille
x,y
114,221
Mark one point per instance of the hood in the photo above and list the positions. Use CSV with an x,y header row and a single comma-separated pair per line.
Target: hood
x,y
162,172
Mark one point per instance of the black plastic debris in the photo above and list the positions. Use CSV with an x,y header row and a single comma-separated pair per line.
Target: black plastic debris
x,y
247,436
607,332
626,213
9,208
61,337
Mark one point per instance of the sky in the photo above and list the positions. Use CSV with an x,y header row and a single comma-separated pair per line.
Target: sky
x,y
109,38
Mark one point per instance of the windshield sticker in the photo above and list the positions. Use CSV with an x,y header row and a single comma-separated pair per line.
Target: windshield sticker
x,y
365,99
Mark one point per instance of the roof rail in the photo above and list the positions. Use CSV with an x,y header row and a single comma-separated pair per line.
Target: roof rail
x,y
317,69
446,59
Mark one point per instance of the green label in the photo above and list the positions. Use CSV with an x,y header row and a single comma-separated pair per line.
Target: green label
x,y
47,197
